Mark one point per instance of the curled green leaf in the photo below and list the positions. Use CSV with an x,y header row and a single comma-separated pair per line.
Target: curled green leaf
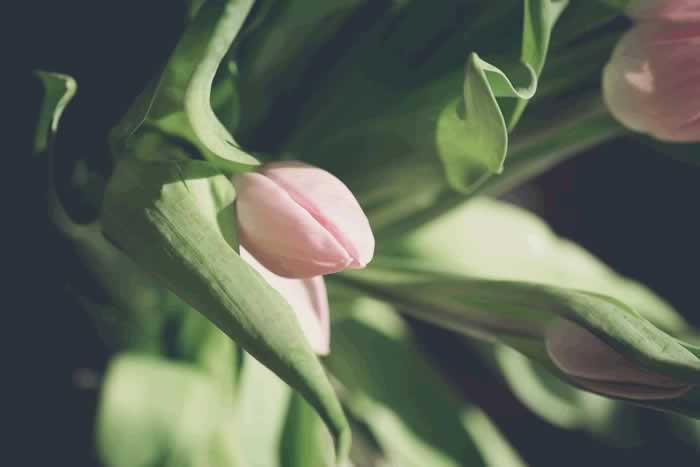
x,y
59,89
178,102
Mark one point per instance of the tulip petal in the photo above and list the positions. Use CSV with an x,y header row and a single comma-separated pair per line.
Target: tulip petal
x,y
308,299
594,364
665,10
330,202
652,82
269,216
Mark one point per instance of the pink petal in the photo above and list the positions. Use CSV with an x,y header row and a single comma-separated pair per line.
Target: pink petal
x,y
592,363
308,299
282,234
652,82
330,202
665,10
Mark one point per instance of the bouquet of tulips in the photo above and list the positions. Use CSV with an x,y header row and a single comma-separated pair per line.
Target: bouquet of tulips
x,y
301,176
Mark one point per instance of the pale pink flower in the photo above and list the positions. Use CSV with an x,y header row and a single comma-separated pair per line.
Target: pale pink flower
x,y
665,10
652,82
307,298
595,365
300,221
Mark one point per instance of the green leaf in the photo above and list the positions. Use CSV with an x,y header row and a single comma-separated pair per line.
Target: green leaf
x,y
418,192
558,402
59,89
498,240
262,404
175,220
156,413
538,21
132,316
618,4
274,58
178,102
473,146
518,314
452,115
305,440
415,416
206,346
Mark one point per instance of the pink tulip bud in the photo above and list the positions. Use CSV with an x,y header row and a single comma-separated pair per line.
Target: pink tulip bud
x,y
301,221
664,10
593,364
652,82
308,299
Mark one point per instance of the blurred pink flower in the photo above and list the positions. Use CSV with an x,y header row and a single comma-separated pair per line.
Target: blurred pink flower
x,y
300,221
308,299
652,82
665,10
594,365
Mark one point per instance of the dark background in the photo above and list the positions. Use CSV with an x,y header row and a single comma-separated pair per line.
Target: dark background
x,y
634,208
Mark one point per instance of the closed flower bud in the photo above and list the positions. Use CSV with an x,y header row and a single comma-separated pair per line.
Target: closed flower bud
x,y
593,364
664,10
300,221
308,300
652,82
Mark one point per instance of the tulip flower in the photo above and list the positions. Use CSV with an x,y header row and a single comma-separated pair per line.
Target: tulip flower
x,y
300,221
664,10
307,298
592,364
652,82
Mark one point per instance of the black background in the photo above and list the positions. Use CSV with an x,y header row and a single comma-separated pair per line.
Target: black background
x,y
635,209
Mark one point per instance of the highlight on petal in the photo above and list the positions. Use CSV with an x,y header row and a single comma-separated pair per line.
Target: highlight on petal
x,y
591,363
652,82
301,221
308,299
664,10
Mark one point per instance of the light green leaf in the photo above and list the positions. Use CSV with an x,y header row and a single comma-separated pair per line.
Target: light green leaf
x,y
178,102
263,399
204,345
539,19
59,89
305,440
519,314
156,413
473,146
175,220
495,240
386,383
